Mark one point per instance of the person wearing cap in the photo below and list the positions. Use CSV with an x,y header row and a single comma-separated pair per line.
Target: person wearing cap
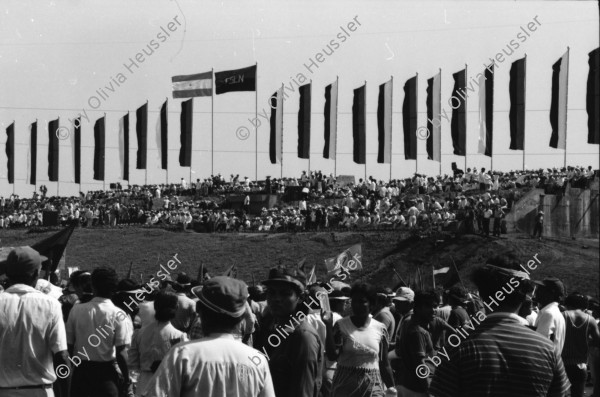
x,y
501,356
98,335
550,321
539,225
218,364
152,342
293,346
32,331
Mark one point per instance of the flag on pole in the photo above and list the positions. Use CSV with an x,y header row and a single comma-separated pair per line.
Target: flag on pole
x,y
458,124
349,260
434,110
409,119
33,153
312,277
486,111
359,111
162,136
76,141
53,248
141,130
124,146
442,270
516,114
558,102
331,98
236,80
99,148
186,119
192,85
304,122
10,152
276,132
592,97
384,123
53,151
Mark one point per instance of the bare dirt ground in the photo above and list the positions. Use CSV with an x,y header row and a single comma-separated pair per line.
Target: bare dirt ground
x,y
576,262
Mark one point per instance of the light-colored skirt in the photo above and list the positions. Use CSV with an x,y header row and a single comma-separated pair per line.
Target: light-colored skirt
x,y
357,382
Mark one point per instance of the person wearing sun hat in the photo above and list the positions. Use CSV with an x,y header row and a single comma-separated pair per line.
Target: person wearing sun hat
x,y
220,364
32,331
293,346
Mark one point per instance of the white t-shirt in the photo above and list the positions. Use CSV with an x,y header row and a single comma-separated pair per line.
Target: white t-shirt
x,y
31,331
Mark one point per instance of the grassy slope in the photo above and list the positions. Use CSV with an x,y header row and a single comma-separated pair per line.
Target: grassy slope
x,y
256,253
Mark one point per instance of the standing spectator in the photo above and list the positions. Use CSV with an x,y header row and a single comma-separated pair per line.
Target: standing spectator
x,y
296,361
539,225
457,298
32,331
550,321
96,374
498,215
246,205
581,330
186,309
151,343
359,343
216,365
501,357
414,345
487,216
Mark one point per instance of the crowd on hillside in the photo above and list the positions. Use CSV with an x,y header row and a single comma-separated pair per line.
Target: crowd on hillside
x,y
289,336
479,198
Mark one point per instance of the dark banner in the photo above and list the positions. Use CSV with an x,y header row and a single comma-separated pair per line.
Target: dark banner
x,y
304,122
53,151
458,124
99,147
186,120
358,125
141,130
409,119
516,114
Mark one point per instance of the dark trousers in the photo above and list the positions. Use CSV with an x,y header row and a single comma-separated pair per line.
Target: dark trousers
x,y
486,226
497,222
95,379
537,229
577,376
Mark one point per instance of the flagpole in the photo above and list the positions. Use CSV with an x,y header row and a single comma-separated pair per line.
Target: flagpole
x,y
566,103
337,87
433,275
255,125
466,113
103,165
57,176
35,160
440,127
457,273
310,96
524,110
391,121
167,132
281,129
365,115
417,106
212,128
80,190
192,144
146,168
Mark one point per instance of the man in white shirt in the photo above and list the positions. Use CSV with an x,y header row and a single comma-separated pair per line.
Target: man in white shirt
x,y
98,335
220,364
550,321
32,332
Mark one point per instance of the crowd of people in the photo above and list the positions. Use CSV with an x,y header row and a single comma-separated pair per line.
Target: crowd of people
x,y
290,336
477,198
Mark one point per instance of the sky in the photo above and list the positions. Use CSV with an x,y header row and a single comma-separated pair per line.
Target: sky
x,y
58,57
